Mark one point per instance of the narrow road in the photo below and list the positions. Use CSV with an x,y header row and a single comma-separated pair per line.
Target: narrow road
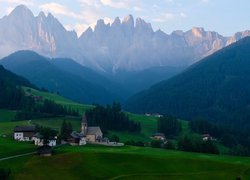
x,y
20,155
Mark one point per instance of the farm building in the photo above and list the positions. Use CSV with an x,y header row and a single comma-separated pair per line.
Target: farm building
x,y
77,139
158,136
24,133
38,140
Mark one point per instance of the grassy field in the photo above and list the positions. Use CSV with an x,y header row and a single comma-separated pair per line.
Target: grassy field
x,y
6,115
97,162
10,147
59,99
6,128
148,127
55,123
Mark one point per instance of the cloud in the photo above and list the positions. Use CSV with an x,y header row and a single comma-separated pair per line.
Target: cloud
x,y
56,8
137,8
164,17
118,5
182,14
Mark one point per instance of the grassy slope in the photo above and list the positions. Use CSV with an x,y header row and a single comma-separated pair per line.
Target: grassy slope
x,y
60,100
95,162
7,127
7,115
148,123
55,123
148,126
10,147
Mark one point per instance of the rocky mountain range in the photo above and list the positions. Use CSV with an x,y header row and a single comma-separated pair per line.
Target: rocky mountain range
x,y
130,45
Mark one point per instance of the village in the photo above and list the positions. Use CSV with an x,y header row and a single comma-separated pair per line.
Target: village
x,y
87,135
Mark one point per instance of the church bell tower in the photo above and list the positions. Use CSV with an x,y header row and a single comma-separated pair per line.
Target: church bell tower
x,y
84,125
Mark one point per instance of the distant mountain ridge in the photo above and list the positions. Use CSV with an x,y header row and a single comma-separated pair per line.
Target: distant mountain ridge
x,y
216,89
129,45
77,83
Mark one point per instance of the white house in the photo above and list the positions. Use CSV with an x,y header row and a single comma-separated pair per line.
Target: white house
x,y
77,139
38,140
24,133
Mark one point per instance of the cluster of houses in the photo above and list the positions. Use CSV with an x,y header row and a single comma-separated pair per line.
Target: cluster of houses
x,y
161,137
92,134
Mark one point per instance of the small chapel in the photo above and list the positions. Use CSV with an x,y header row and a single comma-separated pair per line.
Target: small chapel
x,y
92,133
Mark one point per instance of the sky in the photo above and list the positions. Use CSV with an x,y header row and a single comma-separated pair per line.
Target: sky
x,y
223,16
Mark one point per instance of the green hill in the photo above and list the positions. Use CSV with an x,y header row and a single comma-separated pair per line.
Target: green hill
x,y
96,162
216,89
11,96
43,73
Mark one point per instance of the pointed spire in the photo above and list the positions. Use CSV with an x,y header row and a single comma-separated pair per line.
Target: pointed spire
x,y
84,119
84,127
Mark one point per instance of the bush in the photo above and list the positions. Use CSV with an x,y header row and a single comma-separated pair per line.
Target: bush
x,y
169,145
156,144
4,173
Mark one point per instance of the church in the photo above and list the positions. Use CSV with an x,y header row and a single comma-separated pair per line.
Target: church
x,y
92,133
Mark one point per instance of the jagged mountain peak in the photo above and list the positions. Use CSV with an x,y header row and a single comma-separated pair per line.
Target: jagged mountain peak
x,y
117,22
143,26
198,32
129,19
21,11
128,44
41,15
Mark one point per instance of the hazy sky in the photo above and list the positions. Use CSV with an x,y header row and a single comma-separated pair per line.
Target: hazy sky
x,y
223,16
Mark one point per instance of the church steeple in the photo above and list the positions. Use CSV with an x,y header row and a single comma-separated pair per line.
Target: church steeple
x,y
84,124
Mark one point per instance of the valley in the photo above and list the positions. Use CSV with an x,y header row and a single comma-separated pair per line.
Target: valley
x,y
160,94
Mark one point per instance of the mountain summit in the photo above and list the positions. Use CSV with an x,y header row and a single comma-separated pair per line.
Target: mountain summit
x,y
129,45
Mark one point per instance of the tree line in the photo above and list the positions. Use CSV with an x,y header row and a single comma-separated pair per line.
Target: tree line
x,y
48,108
111,118
13,97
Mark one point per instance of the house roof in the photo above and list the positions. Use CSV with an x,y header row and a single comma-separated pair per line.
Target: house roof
x,y
25,129
77,135
93,130
159,134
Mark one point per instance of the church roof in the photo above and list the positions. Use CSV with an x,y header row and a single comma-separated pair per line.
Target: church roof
x,y
93,130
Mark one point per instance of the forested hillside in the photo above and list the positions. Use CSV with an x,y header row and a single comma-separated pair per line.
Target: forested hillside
x,y
11,96
215,89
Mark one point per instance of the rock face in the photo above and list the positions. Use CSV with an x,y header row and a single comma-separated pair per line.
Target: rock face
x,y
129,45
44,34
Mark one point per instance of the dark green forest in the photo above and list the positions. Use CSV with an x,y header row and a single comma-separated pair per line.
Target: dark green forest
x,y
13,97
111,118
215,89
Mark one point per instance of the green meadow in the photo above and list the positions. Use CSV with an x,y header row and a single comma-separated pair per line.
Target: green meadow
x,y
59,99
6,115
10,147
98,162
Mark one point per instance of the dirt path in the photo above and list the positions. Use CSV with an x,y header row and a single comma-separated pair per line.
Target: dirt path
x,y
19,155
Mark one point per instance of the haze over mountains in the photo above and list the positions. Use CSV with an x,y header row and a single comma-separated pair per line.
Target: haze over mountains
x,y
127,45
